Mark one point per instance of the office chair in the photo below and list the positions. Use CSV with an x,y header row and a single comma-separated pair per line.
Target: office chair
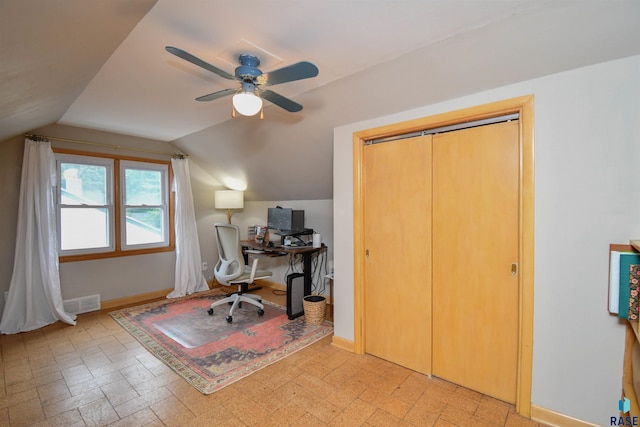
x,y
231,270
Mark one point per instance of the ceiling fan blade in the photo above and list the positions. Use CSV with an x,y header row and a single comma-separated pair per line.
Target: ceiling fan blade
x,y
293,72
280,101
199,62
216,95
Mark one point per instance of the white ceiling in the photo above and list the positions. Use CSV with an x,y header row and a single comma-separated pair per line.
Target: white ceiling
x,y
102,65
341,38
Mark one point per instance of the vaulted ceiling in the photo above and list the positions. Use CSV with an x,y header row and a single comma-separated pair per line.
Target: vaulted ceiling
x,y
102,64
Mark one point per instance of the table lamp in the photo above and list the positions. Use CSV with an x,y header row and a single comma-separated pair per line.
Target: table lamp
x,y
229,200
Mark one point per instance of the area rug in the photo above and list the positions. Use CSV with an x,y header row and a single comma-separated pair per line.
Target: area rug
x,y
208,352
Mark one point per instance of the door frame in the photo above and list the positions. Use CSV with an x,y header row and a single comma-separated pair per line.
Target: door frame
x,y
525,107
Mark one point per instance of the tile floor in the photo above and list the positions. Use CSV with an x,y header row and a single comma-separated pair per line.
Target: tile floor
x,y
96,374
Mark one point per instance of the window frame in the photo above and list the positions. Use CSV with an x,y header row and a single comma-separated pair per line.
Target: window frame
x,y
109,202
156,167
117,221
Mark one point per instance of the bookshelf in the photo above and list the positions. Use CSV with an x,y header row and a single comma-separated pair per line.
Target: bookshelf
x,y
632,337
627,371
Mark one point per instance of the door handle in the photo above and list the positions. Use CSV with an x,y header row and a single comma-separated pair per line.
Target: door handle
x,y
514,269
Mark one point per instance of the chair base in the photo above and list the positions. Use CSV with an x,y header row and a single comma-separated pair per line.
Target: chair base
x,y
237,299
244,288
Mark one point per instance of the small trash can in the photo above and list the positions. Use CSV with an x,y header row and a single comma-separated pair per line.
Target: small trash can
x,y
314,307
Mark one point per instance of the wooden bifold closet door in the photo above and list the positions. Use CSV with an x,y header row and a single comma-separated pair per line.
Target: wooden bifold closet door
x,y
441,229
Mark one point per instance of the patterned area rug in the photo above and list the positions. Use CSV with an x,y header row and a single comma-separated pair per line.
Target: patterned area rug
x,y
208,352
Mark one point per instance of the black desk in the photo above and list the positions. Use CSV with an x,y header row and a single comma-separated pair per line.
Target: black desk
x,y
306,252
307,255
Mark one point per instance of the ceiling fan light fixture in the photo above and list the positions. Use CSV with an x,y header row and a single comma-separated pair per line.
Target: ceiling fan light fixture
x,y
246,102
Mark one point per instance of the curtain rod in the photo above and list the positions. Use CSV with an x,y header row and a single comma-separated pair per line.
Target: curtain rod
x,y
100,144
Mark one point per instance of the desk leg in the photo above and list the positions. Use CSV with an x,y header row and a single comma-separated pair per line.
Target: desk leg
x,y
306,270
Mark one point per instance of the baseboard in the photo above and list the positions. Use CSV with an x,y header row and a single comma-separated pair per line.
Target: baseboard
x,y
342,343
149,296
134,299
556,419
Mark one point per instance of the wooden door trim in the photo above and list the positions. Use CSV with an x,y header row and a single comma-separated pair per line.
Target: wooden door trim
x,y
522,105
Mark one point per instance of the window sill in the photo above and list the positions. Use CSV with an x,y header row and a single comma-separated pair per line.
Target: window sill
x,y
116,254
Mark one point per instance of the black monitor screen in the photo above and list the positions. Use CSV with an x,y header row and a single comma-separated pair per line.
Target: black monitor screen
x,y
285,219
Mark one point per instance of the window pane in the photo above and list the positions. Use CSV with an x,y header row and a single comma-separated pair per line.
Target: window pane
x,y
144,225
83,228
83,184
143,187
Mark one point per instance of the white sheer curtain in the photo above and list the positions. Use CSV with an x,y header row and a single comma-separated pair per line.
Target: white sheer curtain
x,y
35,299
189,278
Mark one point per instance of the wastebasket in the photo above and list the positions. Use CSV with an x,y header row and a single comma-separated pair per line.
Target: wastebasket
x,y
314,307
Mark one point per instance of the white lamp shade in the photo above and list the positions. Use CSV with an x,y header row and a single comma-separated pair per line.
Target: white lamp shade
x,y
229,199
247,103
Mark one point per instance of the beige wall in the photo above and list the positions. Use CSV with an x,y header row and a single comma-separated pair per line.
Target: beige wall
x,y
10,170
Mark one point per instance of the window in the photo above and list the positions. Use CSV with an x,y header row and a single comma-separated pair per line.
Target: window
x,y
144,201
85,204
111,206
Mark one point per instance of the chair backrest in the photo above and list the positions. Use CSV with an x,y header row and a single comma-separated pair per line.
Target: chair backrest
x,y
231,262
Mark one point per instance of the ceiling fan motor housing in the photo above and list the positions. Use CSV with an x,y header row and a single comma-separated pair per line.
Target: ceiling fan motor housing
x,y
248,68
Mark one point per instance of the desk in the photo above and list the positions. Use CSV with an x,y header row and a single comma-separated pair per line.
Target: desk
x,y
305,251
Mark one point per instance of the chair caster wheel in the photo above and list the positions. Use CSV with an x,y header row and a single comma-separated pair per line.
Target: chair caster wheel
x,y
210,311
229,319
260,312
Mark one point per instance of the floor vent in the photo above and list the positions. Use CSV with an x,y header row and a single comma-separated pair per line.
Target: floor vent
x,y
82,304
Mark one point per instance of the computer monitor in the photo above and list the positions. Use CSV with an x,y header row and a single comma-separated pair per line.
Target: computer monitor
x,y
285,219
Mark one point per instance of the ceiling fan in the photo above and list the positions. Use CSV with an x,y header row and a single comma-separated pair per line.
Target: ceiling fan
x,y
247,99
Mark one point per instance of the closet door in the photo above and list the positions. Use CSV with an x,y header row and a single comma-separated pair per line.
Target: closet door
x,y
397,267
475,256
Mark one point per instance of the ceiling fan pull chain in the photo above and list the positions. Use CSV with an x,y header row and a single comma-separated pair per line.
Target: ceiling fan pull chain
x,y
262,113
